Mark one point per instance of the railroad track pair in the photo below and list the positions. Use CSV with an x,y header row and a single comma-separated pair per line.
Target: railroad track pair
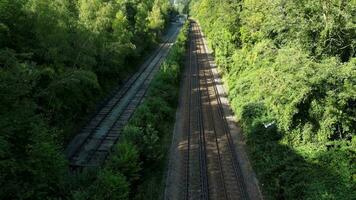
x,y
209,144
93,144
196,183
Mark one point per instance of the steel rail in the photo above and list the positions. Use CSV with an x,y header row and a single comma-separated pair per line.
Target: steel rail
x,y
120,93
189,108
118,97
237,170
195,121
202,142
212,118
142,88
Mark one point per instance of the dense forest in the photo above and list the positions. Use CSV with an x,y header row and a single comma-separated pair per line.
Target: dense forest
x,y
58,58
290,70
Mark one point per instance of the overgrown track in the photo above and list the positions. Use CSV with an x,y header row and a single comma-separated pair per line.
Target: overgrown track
x,y
93,144
212,170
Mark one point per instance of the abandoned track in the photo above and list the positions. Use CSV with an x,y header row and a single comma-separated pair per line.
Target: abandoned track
x,y
93,144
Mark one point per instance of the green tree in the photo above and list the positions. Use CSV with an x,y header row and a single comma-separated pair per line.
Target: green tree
x,y
108,185
156,17
126,159
31,163
57,59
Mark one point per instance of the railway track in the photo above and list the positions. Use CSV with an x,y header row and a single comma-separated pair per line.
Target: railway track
x,y
195,157
211,167
93,144
236,186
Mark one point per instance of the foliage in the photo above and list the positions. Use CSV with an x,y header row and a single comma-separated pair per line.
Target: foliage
x,y
155,18
58,58
142,149
135,167
290,65
30,162
126,160
108,185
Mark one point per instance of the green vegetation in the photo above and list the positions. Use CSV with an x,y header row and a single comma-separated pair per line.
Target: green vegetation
x,y
148,134
139,158
290,70
58,58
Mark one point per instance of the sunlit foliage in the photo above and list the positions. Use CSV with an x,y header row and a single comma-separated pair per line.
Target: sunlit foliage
x,y
290,70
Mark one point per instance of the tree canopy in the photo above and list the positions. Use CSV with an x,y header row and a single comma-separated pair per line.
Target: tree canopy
x,y
58,58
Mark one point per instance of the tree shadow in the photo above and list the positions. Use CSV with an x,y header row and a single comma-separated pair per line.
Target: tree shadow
x,y
285,173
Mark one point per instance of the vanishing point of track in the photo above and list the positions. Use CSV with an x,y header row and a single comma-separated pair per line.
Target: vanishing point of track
x,y
93,144
211,167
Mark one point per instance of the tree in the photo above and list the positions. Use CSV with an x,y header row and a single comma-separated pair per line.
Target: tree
x,y
126,160
30,161
156,18
57,59
108,185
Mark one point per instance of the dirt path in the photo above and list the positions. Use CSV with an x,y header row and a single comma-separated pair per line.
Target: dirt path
x,y
207,158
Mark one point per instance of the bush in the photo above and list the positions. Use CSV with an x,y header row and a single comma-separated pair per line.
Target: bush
x,y
126,160
108,185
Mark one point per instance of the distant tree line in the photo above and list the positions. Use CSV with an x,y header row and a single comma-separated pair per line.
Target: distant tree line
x,y
290,70
57,59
